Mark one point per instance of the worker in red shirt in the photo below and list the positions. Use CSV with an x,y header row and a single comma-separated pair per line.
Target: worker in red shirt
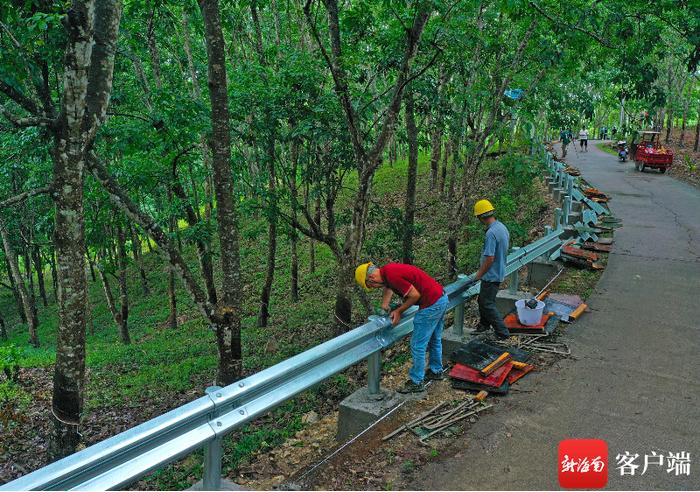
x,y
415,287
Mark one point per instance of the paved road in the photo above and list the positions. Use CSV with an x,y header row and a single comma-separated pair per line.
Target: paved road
x,y
635,381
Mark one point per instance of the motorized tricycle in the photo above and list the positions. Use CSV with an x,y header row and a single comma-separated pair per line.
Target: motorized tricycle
x,y
622,151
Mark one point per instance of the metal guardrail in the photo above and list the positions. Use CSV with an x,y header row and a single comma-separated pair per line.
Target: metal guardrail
x,y
202,423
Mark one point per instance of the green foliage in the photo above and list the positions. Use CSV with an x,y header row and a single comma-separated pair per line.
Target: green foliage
x,y
10,357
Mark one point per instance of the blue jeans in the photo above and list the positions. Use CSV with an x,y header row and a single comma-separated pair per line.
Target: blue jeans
x,y
427,335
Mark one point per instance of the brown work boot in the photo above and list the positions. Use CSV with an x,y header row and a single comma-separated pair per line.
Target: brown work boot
x,y
434,376
411,387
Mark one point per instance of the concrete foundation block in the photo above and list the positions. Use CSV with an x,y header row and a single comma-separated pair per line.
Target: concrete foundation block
x,y
540,271
505,300
451,341
576,206
569,232
575,217
225,485
558,194
551,184
359,410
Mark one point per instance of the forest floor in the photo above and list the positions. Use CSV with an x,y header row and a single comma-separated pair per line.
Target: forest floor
x,y
163,368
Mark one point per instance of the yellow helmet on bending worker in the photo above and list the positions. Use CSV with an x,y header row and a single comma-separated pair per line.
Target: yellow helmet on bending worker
x,y
483,207
361,274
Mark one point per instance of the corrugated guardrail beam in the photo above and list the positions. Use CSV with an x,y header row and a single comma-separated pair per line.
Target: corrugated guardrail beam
x,y
126,457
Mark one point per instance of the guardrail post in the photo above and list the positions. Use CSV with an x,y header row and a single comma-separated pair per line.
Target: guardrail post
x,y
514,278
570,185
213,452
458,327
458,323
374,373
557,219
567,209
547,230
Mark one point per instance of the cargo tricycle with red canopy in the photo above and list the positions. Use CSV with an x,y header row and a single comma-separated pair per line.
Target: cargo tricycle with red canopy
x,y
647,151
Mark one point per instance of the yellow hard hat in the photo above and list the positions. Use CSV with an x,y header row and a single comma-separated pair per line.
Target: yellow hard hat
x,y
361,274
482,207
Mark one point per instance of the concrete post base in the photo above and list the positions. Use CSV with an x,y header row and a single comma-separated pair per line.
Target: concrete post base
x,y
451,341
569,232
558,194
540,271
576,206
505,300
575,217
359,410
225,485
551,184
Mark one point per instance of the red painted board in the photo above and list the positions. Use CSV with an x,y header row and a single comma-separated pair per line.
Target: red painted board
x,y
495,379
516,373
512,323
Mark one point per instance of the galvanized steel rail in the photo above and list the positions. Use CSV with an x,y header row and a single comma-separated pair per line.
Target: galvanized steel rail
x,y
122,459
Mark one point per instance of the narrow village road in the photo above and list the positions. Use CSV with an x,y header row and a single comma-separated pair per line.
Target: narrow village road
x,y
635,378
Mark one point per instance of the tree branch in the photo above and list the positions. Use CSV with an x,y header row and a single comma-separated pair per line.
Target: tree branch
x,y
23,196
166,246
593,35
27,122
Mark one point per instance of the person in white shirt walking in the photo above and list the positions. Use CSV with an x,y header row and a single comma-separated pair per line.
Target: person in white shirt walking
x,y
583,139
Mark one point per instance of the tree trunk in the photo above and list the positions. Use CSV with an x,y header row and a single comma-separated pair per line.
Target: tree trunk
x,y
294,238
153,50
25,298
26,257
686,103
228,315
435,154
669,124
172,293
39,267
271,182
312,243
87,84
91,263
15,292
697,133
138,259
54,275
107,289
3,330
410,206
443,171
123,290
343,296
453,169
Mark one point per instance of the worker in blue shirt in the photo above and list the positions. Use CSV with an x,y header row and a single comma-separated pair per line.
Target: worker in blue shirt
x,y
492,270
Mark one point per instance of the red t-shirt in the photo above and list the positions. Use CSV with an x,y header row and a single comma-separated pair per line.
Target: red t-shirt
x,y
399,277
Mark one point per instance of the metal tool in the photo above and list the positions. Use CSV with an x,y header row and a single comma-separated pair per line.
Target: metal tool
x,y
453,421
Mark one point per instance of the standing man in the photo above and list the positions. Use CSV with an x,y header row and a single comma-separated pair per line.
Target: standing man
x,y
565,137
492,270
415,287
583,138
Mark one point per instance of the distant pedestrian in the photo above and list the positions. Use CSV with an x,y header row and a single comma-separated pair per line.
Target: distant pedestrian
x,y
604,133
566,138
492,270
583,139
614,131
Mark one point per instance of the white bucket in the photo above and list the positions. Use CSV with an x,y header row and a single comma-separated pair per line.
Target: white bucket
x,y
527,316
